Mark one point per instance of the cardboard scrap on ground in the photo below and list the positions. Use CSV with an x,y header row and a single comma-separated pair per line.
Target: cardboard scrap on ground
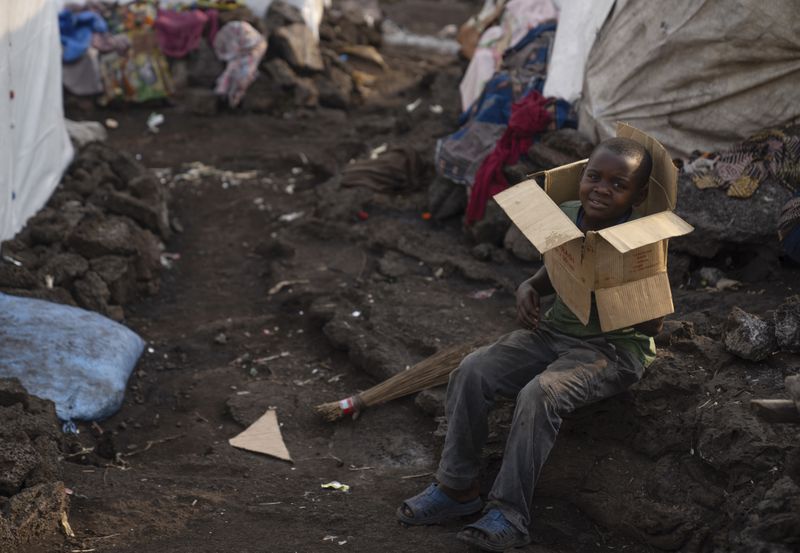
x,y
624,265
263,436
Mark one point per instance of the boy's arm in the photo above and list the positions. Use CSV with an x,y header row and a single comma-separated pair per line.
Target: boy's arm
x,y
651,328
528,296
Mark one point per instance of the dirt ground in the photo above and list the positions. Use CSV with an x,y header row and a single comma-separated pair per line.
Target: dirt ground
x,y
676,464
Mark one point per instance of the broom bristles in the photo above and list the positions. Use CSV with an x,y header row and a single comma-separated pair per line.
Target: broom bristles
x,y
431,371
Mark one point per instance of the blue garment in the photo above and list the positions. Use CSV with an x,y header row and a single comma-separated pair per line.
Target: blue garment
x,y
459,155
789,227
77,29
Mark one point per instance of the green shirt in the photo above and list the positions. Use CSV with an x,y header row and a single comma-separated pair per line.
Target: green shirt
x,y
562,319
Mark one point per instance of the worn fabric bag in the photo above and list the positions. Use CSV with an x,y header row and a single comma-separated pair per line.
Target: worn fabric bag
x,y
78,359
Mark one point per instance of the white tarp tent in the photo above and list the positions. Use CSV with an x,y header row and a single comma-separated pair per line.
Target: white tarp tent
x,y
34,146
695,74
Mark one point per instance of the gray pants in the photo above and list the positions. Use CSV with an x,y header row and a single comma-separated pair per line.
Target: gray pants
x,y
550,374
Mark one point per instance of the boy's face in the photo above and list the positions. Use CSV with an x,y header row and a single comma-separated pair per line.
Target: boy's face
x,y
610,187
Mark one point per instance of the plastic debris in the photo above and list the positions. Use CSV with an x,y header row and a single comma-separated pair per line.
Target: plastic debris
x,y
356,314
335,485
168,259
154,120
284,284
112,123
483,294
289,217
436,109
363,215
413,105
426,216
378,151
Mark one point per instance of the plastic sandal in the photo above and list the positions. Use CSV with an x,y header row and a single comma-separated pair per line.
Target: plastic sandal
x,y
433,506
496,533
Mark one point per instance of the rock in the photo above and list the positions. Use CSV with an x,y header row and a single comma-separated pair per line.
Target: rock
x,y
203,67
17,459
273,249
64,268
678,267
482,251
432,400
92,293
335,89
122,163
151,216
200,101
306,93
493,227
55,295
395,265
12,392
280,14
787,324
518,172
545,157
721,221
118,274
569,142
98,237
263,95
673,331
297,44
33,517
749,336
446,199
709,276
521,247
12,276
279,72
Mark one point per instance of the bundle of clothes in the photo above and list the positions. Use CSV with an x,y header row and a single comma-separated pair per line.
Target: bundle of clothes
x,y
121,51
504,110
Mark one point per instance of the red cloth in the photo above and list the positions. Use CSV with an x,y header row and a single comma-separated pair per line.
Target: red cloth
x,y
180,32
529,117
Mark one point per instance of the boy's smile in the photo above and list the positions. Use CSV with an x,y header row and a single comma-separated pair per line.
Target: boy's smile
x,y
609,188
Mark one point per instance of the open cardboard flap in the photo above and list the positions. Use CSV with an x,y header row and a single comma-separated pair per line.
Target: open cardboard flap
x,y
624,265
263,436
531,210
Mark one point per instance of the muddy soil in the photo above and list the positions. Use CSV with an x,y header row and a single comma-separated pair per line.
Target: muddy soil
x,y
262,312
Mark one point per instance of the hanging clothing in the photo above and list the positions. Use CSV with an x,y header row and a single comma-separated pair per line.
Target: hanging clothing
x,y
240,45
180,32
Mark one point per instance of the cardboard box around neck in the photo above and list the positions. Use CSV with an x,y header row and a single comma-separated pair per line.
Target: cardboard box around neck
x,y
625,265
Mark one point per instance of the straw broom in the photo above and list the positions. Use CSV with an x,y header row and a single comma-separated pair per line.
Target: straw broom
x,y
432,371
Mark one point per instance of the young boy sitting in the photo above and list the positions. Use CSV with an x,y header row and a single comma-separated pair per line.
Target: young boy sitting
x,y
553,367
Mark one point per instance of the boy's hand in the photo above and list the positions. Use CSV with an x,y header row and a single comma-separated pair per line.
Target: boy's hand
x,y
528,305
651,328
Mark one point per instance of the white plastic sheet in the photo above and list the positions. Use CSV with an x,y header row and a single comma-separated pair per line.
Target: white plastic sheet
x,y
578,25
695,74
34,146
312,10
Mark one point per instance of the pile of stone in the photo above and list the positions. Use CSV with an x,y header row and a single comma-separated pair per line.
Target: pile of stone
x,y
754,338
334,71
97,243
33,500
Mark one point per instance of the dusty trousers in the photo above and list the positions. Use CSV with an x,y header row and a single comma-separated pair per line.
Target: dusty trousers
x,y
550,374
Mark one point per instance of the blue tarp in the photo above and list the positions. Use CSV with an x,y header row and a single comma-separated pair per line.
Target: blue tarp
x,y
77,29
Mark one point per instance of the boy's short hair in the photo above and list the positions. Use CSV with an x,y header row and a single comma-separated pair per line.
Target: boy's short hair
x,y
632,150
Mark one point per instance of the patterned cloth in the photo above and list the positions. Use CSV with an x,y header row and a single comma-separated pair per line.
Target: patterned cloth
x,y
524,70
769,155
240,45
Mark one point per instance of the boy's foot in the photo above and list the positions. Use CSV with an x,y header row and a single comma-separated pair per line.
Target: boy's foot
x,y
493,532
434,506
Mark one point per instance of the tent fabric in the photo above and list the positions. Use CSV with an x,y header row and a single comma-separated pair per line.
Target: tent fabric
x,y
579,23
695,74
34,146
